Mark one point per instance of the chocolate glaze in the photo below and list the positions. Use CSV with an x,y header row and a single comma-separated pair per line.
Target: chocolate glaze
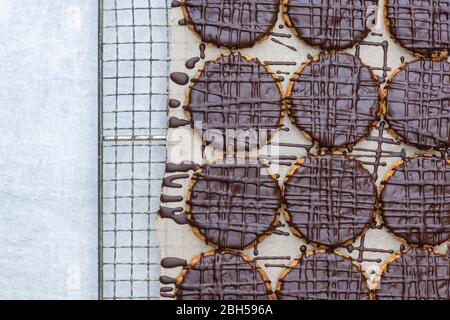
x,y
175,122
179,78
335,99
202,48
330,199
419,274
235,101
421,26
323,276
175,4
330,24
233,203
167,280
167,198
170,213
222,276
418,103
232,24
168,181
416,201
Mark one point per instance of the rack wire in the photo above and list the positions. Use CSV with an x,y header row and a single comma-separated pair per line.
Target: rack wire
x,y
133,86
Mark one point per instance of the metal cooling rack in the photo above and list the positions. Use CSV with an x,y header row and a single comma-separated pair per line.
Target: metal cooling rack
x,y
133,85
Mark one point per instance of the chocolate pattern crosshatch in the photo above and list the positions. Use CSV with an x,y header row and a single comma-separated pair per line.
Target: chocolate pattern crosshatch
x,y
299,173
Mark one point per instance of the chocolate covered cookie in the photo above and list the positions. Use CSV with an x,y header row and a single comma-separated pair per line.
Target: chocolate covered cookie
x,y
334,99
222,275
234,203
235,102
416,200
421,26
419,274
322,276
417,99
331,24
330,199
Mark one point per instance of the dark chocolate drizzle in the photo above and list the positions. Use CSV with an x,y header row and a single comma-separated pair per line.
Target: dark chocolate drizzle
x,y
331,24
170,213
190,64
416,201
222,276
181,167
235,102
323,276
418,103
421,26
419,274
335,99
330,199
232,24
173,103
233,203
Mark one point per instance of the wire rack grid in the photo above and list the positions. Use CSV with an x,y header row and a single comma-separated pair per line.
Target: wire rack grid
x,y
133,96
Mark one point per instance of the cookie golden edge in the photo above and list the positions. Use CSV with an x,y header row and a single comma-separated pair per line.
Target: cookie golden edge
x,y
267,283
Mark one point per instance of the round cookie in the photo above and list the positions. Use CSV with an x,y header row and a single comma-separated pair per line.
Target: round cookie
x,y
235,102
331,24
421,26
330,199
232,24
334,99
222,275
419,274
417,99
322,276
416,200
233,204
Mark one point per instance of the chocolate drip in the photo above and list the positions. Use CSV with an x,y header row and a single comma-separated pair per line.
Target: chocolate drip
x,y
335,99
176,122
233,204
181,167
418,104
168,181
419,274
169,213
202,48
416,201
329,199
235,103
171,262
182,22
332,24
190,64
223,276
165,289
280,63
173,103
236,24
179,78
175,4
420,26
323,276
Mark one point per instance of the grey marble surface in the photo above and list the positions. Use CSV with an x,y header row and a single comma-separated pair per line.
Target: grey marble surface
x,y
48,149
